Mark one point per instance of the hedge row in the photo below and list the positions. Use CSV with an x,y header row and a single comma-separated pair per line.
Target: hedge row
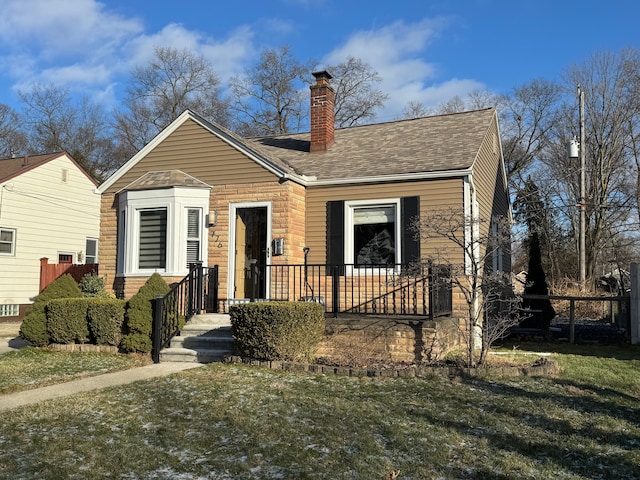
x,y
278,330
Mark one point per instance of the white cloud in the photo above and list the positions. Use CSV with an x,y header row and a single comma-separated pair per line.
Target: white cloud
x,y
57,28
397,52
83,45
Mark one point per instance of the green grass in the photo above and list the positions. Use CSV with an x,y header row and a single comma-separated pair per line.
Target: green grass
x,y
242,422
29,368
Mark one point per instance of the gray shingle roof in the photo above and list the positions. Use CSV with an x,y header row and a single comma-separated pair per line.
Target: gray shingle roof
x,y
165,179
428,144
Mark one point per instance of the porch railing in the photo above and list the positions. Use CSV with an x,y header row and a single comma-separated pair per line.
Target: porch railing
x,y
372,289
195,293
349,288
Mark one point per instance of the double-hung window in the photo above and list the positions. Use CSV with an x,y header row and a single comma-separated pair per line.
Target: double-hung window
x,y
374,235
91,251
7,241
194,235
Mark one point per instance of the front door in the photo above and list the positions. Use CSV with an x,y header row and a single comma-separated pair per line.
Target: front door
x,y
250,253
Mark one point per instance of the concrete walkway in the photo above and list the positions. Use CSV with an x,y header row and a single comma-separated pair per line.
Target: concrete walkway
x,y
10,341
123,377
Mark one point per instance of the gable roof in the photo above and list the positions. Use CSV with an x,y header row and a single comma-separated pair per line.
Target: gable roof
x,y
436,144
428,147
13,167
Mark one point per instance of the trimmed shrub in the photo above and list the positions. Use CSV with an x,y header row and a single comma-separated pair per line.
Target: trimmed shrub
x,y
92,285
105,317
34,325
136,342
139,317
278,330
67,320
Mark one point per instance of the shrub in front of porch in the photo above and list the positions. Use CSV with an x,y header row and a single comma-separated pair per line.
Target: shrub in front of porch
x,y
278,330
34,325
67,320
139,316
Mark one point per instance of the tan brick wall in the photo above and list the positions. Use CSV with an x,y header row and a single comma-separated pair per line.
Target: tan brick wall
x,y
355,340
288,222
108,239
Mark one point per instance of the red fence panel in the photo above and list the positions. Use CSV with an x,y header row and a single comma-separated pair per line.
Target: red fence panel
x,y
51,271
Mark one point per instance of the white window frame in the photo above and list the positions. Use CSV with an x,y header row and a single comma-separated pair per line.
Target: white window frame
x,y
86,253
12,243
201,238
350,207
177,201
9,310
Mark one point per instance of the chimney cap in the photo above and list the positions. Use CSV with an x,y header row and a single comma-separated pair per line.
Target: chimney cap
x,y
322,75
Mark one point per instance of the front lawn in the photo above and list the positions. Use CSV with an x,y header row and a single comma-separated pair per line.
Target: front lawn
x,y
241,422
29,367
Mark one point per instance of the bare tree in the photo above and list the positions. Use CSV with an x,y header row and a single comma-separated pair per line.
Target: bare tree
x,y
13,141
172,82
415,109
471,258
357,97
55,123
611,124
270,98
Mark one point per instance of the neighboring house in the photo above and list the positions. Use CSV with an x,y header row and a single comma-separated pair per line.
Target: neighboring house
x,y
343,197
48,209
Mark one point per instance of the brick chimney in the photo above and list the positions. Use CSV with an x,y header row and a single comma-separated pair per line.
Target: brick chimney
x,y
323,100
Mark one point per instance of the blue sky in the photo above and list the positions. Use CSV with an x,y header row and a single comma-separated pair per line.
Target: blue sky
x,y
425,50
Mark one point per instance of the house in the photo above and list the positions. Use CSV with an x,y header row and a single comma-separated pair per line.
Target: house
x,y
48,209
345,197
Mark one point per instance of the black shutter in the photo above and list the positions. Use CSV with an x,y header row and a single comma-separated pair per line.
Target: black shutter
x,y
409,212
335,233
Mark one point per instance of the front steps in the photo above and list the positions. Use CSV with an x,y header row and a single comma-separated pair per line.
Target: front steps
x,y
204,339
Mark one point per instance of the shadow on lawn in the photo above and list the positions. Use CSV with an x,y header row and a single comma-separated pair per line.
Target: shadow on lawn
x,y
543,438
618,352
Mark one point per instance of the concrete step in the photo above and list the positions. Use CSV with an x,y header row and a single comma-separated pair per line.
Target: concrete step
x,y
210,341
191,355
204,339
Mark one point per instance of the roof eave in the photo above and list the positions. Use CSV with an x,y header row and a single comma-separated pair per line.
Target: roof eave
x,y
403,177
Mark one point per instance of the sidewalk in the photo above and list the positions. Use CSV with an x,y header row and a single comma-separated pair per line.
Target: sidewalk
x,y
123,377
9,341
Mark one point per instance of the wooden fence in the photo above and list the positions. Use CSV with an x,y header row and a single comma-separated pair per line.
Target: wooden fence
x,y
51,271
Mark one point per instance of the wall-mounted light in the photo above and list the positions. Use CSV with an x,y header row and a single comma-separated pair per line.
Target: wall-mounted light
x,y
212,218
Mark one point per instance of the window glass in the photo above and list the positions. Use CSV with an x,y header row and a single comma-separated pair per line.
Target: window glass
x,y
9,310
153,239
65,258
374,235
193,235
7,241
91,249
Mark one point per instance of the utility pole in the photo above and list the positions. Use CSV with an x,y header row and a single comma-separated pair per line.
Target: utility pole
x,y
578,149
583,206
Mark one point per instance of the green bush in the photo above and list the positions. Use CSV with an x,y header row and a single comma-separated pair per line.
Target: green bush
x,y
278,330
34,325
105,317
67,320
136,342
92,285
139,317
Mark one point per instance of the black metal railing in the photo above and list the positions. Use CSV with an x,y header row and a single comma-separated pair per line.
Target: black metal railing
x,y
195,293
348,288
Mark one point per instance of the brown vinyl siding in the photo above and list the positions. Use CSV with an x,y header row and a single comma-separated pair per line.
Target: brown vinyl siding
x,y
488,178
196,151
434,195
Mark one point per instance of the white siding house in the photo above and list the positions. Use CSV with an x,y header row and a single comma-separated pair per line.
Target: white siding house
x,y
48,209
